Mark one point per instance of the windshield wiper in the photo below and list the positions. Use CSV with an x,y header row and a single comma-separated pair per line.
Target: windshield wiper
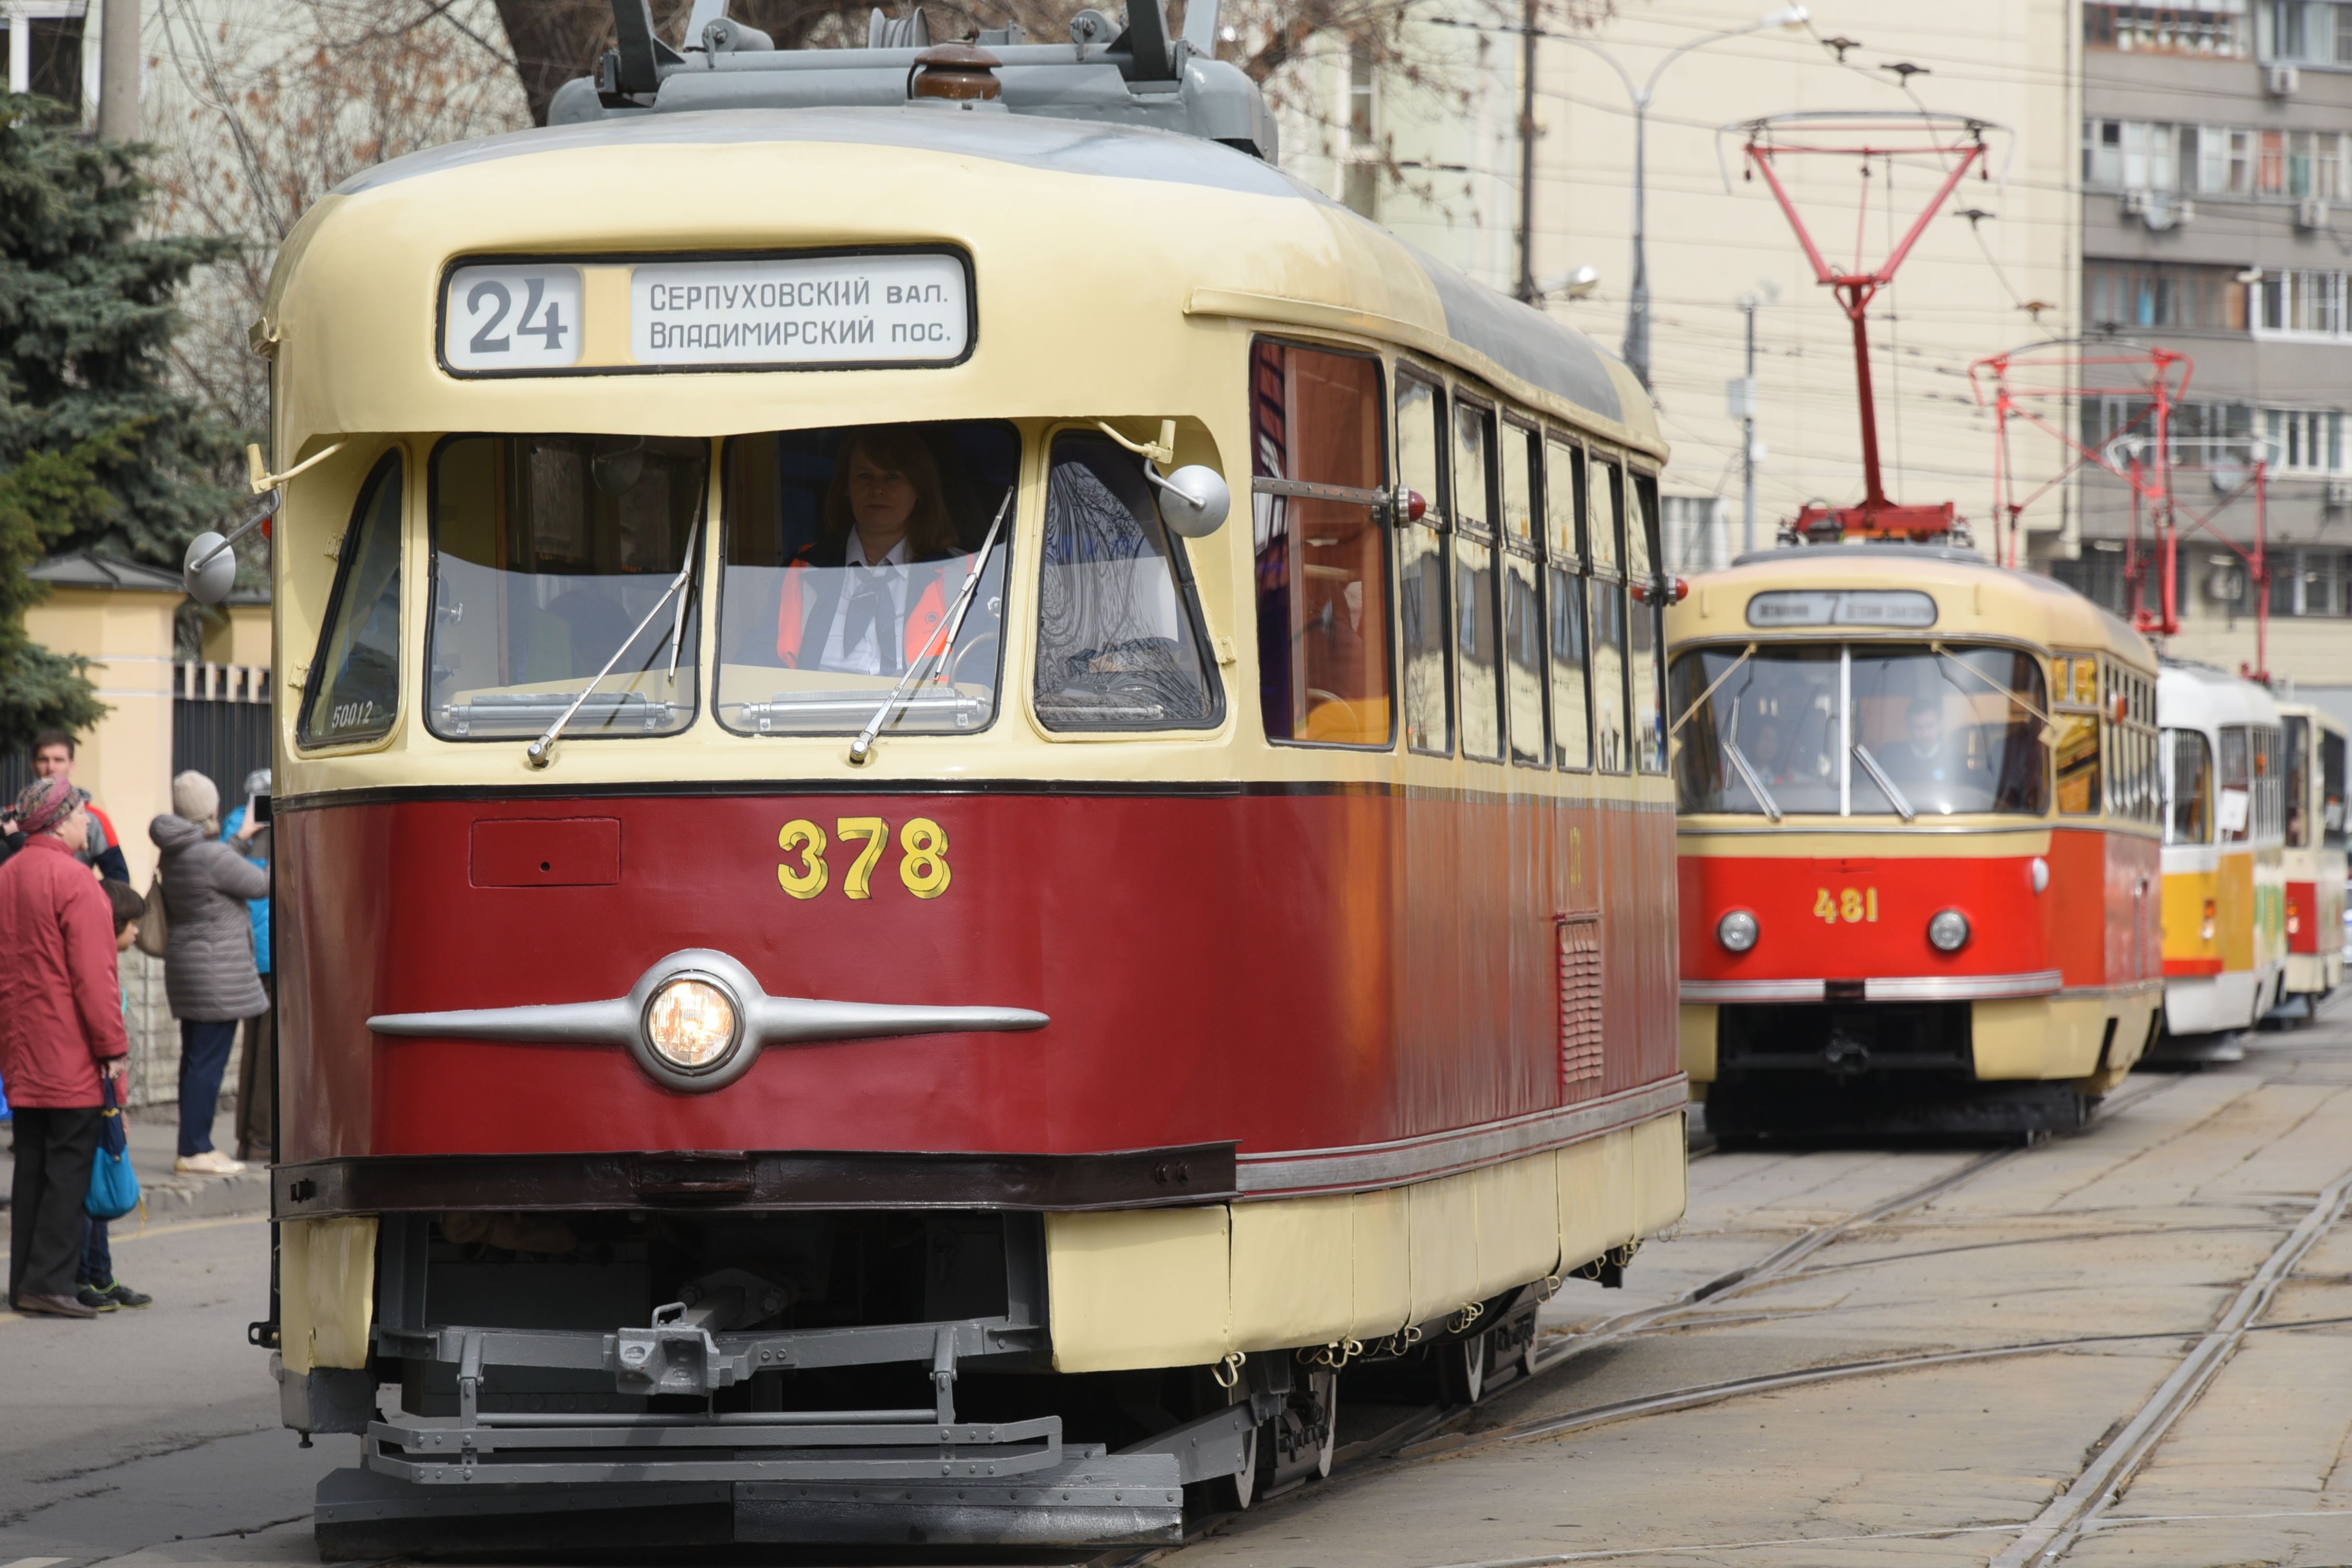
x,y
536,752
861,750
1738,760
1878,776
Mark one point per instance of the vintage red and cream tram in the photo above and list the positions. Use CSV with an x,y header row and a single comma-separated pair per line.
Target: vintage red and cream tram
x,y
1919,843
799,1031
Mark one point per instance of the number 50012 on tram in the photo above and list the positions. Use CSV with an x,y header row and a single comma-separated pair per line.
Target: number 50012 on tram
x,y
852,966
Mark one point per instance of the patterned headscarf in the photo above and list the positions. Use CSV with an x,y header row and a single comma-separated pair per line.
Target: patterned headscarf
x,y
45,802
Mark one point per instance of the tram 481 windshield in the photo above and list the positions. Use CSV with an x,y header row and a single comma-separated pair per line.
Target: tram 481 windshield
x,y
1859,729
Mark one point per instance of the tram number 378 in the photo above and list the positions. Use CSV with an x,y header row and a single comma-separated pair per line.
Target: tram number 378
x,y
922,862
1852,905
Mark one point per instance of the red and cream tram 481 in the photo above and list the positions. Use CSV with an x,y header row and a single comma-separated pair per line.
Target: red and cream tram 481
x,y
852,966
1919,843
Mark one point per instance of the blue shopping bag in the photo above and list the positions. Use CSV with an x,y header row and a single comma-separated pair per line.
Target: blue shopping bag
x,y
113,1185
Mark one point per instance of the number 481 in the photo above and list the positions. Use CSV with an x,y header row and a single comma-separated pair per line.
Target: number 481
x,y
1852,905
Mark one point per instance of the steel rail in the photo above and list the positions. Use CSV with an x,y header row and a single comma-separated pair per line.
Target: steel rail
x,y
2061,1524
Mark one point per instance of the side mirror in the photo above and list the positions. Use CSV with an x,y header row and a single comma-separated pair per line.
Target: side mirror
x,y
1194,501
209,569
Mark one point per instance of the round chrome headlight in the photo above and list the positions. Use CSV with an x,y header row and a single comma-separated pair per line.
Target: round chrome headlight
x,y
1948,931
692,1025
1736,931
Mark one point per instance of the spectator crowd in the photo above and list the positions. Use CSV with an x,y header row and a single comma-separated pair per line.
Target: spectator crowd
x,y
68,912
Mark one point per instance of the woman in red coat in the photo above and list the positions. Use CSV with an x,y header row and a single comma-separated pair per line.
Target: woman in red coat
x,y
60,1027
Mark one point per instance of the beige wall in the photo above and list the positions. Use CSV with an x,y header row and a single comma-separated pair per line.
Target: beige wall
x,y
2011,61
241,638
126,760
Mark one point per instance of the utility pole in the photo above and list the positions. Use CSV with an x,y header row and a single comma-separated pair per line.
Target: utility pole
x,y
1528,154
1740,401
118,73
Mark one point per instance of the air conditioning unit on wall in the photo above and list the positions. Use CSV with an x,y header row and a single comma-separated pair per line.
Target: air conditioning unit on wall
x,y
2339,494
2282,80
2226,584
2311,213
2160,210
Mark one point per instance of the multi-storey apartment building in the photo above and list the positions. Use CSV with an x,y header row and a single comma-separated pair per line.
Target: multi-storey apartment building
x,y
2217,221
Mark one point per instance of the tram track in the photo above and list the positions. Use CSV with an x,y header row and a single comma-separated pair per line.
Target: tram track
x,y
1433,1433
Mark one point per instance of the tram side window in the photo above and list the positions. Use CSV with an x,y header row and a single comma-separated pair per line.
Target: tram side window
x,y
1523,628
1120,640
1646,663
1421,595
553,555
1475,611
1322,561
2077,723
2331,788
1605,535
848,552
1571,716
354,691
2296,739
2234,813
2270,807
2187,787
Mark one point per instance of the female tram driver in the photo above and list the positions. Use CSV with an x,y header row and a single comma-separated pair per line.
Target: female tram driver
x,y
883,595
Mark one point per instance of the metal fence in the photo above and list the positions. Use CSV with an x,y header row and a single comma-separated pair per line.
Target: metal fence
x,y
220,725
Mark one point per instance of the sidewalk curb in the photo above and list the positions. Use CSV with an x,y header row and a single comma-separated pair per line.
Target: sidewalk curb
x,y
206,1197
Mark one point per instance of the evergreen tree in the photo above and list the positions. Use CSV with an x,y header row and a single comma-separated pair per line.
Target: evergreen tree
x,y
45,496
86,320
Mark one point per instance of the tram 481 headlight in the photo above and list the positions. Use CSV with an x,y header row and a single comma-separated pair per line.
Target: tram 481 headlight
x,y
692,1025
1736,931
1948,931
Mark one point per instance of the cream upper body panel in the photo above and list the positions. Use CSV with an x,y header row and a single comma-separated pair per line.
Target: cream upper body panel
x,y
1974,598
1117,274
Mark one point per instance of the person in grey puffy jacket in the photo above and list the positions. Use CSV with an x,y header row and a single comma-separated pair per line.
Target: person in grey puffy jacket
x,y
208,969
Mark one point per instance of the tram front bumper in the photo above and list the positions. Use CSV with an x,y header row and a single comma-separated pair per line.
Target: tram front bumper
x,y
1089,1499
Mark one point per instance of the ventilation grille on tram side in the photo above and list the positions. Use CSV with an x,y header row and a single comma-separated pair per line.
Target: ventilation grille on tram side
x,y
1579,998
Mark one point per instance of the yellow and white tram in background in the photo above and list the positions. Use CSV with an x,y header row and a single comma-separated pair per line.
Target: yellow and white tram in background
x,y
791,1037
1918,843
2313,858
2225,810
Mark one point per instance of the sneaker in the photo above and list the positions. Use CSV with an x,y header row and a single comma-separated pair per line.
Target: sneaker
x,y
122,1295
211,1163
96,1299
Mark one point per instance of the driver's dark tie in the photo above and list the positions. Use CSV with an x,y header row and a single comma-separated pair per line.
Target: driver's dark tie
x,y
865,608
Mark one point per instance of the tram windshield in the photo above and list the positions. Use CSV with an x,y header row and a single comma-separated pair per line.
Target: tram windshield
x,y
847,554
555,556
1859,730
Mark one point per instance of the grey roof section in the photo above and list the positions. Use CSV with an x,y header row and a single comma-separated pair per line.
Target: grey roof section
x,y
1062,146
1523,340
83,569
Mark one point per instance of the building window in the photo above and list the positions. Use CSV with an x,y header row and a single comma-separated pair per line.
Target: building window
x,y
2300,303
2305,440
2214,27
2213,159
2306,32
2311,582
2127,294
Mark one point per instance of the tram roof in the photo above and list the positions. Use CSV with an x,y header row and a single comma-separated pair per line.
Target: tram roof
x,y
1118,215
2193,695
1973,596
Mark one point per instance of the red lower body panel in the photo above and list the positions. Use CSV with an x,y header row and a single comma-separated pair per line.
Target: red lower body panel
x,y
1287,971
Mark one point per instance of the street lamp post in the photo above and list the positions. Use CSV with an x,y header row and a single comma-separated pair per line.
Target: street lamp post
x,y
1637,307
